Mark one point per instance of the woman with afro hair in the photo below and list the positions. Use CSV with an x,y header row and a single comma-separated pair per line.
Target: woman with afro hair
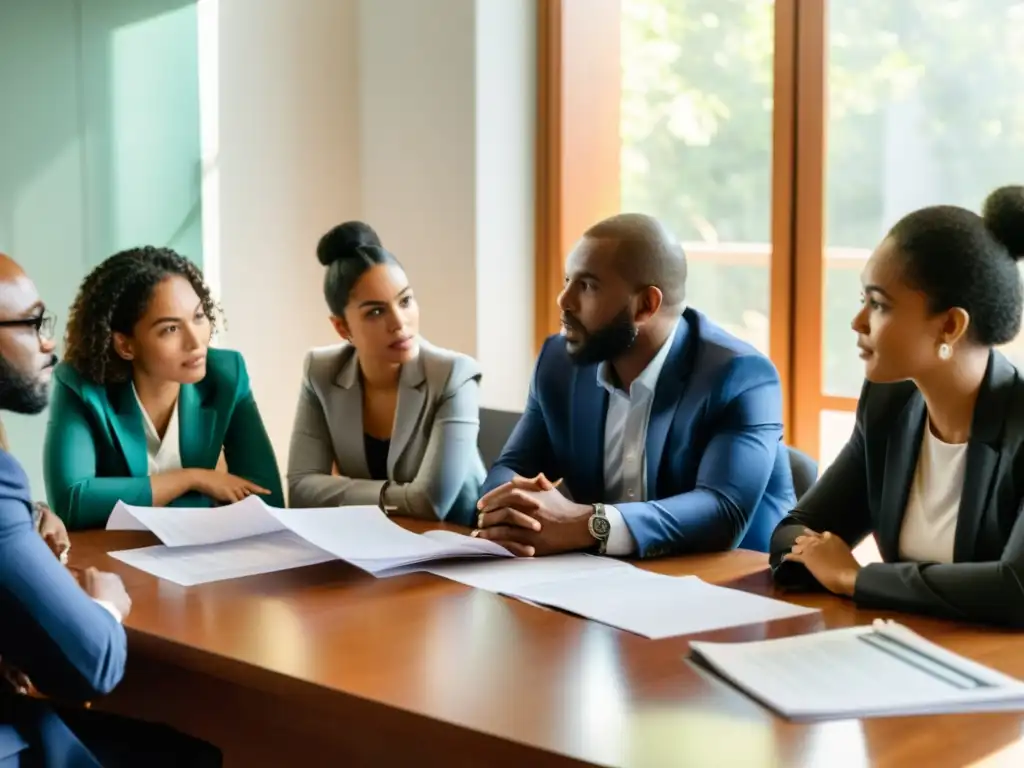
x,y
934,469
142,407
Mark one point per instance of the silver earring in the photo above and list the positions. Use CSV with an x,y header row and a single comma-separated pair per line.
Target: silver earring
x,y
945,351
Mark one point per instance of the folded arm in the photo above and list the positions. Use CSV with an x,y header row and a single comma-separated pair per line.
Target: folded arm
x,y
731,477
837,503
75,493
311,462
991,592
67,644
452,454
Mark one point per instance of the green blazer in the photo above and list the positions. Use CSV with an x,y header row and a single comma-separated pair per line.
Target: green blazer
x,y
95,451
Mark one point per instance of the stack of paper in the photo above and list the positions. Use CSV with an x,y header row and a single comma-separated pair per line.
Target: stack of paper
x,y
248,538
621,595
877,671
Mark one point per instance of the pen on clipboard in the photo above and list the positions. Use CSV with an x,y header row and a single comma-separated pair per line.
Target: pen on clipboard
x,y
887,641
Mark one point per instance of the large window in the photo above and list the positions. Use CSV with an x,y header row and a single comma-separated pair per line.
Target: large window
x,y
779,139
696,127
924,108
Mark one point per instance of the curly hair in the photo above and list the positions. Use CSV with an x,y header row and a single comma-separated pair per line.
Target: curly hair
x,y
112,299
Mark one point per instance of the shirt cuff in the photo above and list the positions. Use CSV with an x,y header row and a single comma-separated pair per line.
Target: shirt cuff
x,y
111,609
620,540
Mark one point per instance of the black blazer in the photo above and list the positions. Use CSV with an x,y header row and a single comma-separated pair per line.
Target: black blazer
x,y
865,491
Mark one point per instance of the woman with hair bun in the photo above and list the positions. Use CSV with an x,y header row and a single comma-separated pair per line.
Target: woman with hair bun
x,y
935,466
384,418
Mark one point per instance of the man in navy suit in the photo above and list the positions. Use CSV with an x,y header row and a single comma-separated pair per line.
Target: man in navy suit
x,y
60,635
665,429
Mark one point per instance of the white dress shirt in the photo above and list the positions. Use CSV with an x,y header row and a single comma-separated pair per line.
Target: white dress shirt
x,y
933,505
109,608
625,443
163,454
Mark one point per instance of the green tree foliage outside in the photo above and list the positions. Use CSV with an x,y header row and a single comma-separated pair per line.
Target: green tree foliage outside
x,y
925,106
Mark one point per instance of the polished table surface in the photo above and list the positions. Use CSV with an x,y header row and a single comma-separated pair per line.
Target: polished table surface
x,y
327,665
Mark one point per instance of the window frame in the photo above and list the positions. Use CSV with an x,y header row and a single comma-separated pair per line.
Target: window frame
x,y
578,178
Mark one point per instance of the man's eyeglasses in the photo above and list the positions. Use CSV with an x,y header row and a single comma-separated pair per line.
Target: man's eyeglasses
x,y
44,324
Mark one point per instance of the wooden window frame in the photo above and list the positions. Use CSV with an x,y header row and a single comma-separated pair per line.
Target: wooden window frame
x,y
578,178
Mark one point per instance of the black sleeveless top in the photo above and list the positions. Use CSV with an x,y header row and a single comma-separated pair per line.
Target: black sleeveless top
x,y
376,456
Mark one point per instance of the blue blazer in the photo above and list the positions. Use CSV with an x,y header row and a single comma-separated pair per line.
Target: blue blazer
x,y
718,474
71,648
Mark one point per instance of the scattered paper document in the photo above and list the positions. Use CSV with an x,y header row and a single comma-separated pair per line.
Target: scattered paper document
x,y
361,536
189,566
508,575
654,605
882,670
191,526
365,538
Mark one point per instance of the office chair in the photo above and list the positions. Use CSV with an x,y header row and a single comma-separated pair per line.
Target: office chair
x,y
804,469
495,429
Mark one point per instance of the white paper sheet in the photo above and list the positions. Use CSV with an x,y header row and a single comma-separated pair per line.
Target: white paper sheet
x,y
122,520
654,605
368,540
361,536
509,575
192,526
189,566
860,679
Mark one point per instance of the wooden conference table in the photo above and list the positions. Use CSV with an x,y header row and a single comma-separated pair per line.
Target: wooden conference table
x,y
329,666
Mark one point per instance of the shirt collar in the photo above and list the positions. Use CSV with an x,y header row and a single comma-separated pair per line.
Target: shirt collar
x,y
648,378
152,437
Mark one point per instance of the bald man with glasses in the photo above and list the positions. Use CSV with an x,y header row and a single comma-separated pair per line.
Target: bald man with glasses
x,y
60,634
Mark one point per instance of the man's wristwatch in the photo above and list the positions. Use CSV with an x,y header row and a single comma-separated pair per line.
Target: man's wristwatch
x,y
37,515
600,528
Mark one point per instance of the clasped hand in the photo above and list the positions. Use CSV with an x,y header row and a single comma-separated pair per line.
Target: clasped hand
x,y
529,516
828,558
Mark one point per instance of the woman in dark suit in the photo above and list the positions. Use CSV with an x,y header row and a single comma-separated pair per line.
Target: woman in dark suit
x,y
935,466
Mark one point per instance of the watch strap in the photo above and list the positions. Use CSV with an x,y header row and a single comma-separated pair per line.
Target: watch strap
x,y
600,527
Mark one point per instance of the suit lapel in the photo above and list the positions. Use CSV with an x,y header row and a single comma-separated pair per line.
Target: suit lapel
x,y
900,463
667,395
589,410
983,453
126,421
196,424
347,415
409,411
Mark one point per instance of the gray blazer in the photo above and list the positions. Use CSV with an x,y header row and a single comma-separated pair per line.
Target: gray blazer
x,y
434,464
865,492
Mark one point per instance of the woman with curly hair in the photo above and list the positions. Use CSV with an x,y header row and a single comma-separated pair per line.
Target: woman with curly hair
x,y
142,407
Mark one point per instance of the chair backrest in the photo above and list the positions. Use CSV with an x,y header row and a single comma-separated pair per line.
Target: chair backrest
x,y
495,429
804,469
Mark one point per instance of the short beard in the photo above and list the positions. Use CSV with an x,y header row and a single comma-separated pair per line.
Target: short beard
x,y
607,343
20,393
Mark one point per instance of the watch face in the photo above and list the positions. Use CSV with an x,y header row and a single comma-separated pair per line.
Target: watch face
x,y
600,526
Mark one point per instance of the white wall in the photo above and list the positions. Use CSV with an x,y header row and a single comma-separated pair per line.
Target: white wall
x,y
418,124
506,63
288,169
99,147
414,115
